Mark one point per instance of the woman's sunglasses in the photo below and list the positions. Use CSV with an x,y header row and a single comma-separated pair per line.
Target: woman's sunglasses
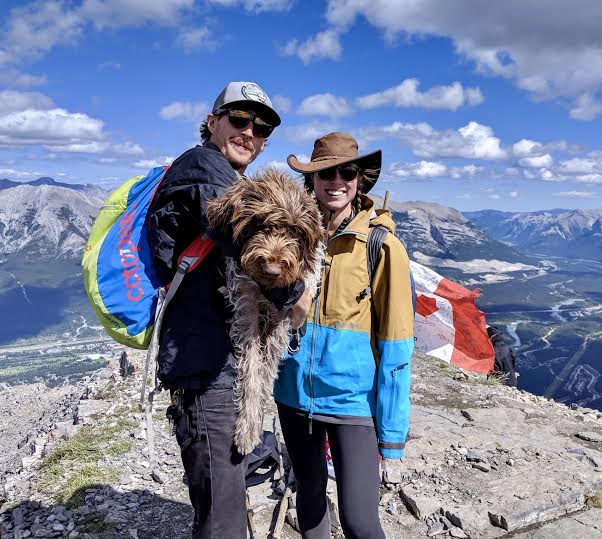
x,y
241,118
347,172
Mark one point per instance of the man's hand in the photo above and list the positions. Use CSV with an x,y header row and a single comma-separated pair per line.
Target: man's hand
x,y
298,312
392,471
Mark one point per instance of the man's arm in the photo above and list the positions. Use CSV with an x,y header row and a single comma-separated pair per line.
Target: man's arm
x,y
298,312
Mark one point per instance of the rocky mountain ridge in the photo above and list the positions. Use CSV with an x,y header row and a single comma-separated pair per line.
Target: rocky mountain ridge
x,y
46,220
573,233
483,461
443,232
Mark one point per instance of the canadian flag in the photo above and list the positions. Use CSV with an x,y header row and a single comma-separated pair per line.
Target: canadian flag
x,y
447,324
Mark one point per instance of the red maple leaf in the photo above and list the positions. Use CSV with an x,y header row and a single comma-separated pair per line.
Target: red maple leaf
x,y
426,305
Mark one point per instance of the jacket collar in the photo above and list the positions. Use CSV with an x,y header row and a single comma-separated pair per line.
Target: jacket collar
x,y
211,146
360,223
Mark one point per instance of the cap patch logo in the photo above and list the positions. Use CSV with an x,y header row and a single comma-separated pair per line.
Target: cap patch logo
x,y
254,93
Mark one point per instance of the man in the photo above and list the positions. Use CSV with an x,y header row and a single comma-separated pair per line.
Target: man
x,y
195,359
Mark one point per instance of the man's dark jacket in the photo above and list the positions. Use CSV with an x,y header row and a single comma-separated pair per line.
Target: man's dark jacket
x,y
195,350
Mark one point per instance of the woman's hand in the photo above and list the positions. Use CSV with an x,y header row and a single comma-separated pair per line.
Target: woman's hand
x,y
392,471
298,312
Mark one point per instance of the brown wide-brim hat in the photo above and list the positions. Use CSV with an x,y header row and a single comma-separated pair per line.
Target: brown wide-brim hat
x,y
338,149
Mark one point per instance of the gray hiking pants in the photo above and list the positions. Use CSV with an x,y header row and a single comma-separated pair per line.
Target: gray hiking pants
x,y
204,423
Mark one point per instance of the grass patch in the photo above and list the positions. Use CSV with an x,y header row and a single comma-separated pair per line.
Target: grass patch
x,y
73,466
120,447
72,492
595,501
443,365
89,444
51,475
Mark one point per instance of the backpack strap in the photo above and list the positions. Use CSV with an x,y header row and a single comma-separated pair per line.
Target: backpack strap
x,y
192,256
376,239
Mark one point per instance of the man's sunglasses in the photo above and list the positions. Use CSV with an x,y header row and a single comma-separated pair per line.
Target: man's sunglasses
x,y
241,118
347,172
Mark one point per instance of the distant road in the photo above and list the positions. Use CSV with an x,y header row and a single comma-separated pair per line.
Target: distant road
x,y
45,346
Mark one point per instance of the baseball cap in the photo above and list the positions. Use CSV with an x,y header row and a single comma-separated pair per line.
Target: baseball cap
x,y
248,94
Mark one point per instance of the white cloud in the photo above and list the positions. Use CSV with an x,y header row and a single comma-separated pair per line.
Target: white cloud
x,y
467,170
32,30
552,51
12,174
191,39
580,165
494,196
17,79
123,13
256,5
126,148
421,169
323,45
537,161
185,110
575,194
49,127
473,141
159,161
589,178
586,107
12,101
282,103
525,147
117,151
513,194
407,94
308,131
324,105
280,165
32,119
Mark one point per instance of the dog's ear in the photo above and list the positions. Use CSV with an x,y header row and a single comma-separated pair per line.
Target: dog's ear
x,y
231,214
219,215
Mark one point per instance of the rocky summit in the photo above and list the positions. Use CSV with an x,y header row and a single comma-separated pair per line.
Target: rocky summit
x,y
483,461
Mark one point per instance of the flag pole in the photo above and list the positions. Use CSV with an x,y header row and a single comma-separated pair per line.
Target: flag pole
x,y
386,201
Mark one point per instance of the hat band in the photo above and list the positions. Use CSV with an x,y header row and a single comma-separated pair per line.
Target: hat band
x,y
331,157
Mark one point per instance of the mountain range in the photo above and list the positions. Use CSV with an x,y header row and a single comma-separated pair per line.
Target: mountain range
x,y
44,225
439,231
46,220
566,233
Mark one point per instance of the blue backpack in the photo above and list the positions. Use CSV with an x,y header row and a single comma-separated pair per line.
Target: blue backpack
x,y
119,278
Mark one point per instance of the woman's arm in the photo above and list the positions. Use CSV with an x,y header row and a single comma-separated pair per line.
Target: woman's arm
x,y
392,299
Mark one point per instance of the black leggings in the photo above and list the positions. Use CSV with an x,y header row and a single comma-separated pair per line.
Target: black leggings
x,y
354,452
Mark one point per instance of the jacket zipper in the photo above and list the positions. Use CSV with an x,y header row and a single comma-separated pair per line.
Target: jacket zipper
x,y
311,365
313,343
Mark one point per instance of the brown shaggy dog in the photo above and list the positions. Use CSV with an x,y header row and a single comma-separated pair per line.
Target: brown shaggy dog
x,y
279,228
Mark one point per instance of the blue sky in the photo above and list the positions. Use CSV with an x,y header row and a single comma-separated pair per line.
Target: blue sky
x,y
500,109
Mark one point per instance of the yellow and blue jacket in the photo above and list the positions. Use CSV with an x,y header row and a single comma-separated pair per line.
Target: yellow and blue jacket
x,y
354,359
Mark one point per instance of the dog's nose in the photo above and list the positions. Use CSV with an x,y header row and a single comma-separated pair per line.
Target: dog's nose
x,y
272,268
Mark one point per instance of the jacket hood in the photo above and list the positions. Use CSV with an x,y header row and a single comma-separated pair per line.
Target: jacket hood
x,y
383,218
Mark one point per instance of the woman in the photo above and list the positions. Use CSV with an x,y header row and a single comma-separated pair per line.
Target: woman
x,y
350,375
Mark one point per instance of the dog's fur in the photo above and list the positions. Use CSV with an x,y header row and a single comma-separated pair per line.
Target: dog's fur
x,y
279,228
